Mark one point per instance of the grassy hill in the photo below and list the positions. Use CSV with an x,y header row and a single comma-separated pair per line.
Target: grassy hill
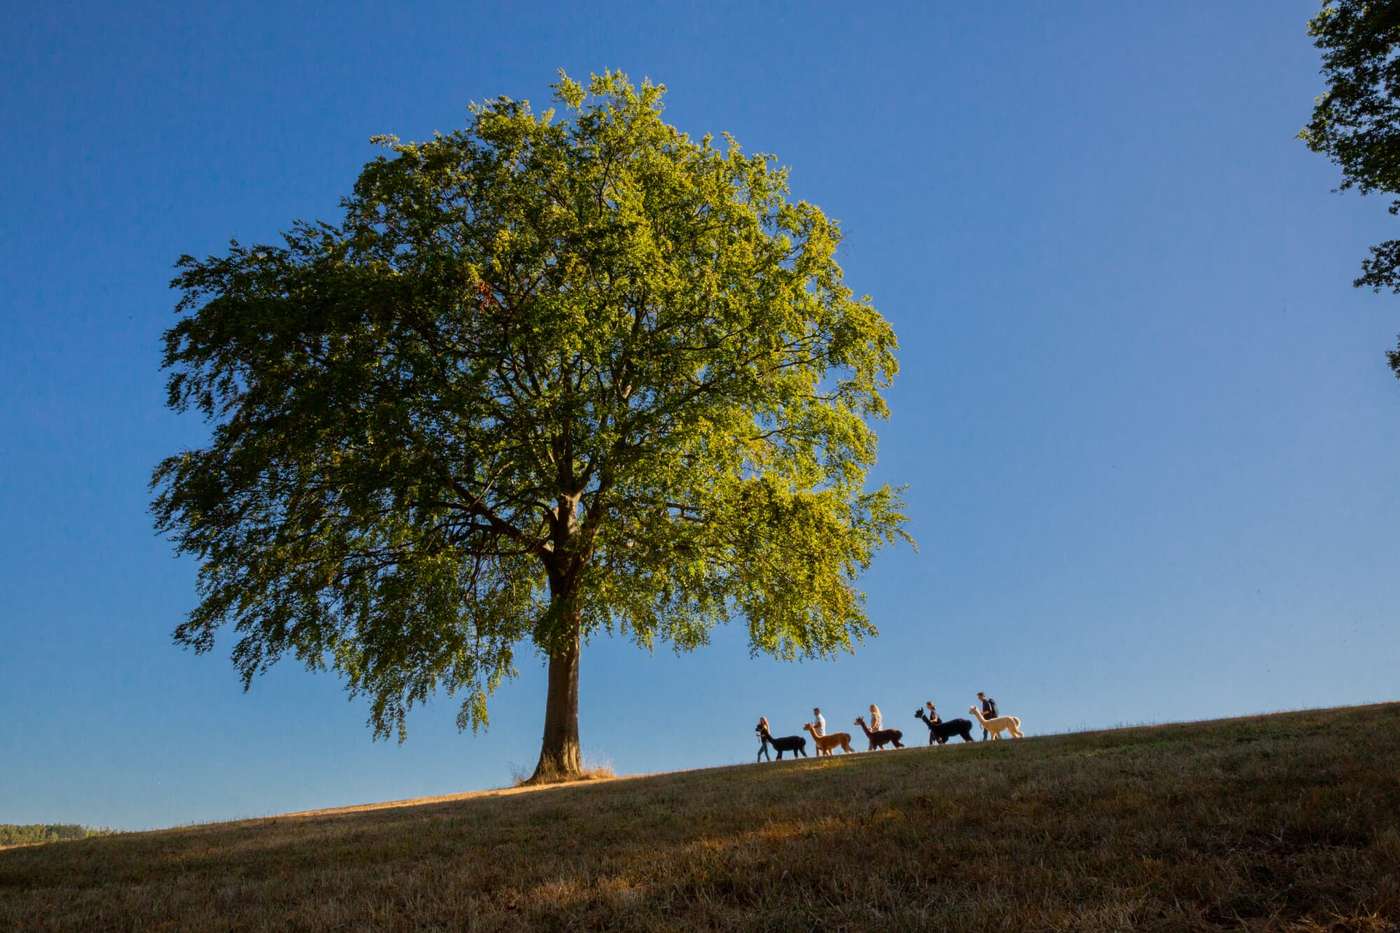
x,y
1289,821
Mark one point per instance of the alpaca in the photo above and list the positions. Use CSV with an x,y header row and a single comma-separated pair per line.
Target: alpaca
x,y
998,724
825,743
941,731
881,738
788,743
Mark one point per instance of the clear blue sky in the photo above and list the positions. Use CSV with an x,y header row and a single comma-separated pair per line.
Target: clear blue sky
x,y
1147,425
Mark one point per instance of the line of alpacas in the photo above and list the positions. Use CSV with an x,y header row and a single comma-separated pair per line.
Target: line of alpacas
x,y
939,731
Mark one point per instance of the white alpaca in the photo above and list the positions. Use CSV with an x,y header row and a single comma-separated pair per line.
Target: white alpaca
x,y
998,724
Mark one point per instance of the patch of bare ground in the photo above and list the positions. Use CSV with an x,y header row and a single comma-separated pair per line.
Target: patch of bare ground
x,y
1284,822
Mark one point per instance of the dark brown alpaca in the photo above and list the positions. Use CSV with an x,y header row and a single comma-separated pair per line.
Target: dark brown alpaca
x,y
882,738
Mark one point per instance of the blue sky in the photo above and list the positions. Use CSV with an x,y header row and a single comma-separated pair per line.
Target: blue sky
x,y
1147,426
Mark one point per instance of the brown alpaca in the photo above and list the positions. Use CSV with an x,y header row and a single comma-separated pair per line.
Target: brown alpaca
x,y
882,737
825,743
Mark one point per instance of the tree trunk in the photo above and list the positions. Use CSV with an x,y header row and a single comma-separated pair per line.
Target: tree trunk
x,y
559,752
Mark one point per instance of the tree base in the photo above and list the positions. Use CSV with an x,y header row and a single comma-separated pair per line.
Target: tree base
x,y
542,778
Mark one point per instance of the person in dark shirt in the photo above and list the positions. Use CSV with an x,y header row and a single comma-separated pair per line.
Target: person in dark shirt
x,y
989,709
761,730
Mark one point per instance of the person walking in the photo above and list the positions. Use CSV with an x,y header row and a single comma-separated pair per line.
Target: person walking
x,y
762,731
932,711
818,721
875,718
989,710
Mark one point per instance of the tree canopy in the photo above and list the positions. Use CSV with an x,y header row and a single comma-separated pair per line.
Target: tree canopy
x,y
1356,119
550,376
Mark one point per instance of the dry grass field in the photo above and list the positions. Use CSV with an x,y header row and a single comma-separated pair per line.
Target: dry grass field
x,y
1289,821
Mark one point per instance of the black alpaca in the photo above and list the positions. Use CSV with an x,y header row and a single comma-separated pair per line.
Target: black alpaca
x,y
788,743
940,731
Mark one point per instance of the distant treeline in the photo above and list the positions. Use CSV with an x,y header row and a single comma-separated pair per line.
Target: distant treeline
x,y
14,835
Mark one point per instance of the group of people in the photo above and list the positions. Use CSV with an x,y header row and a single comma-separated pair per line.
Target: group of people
x,y
989,711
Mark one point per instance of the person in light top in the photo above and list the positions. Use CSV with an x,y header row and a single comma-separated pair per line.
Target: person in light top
x,y
818,721
874,718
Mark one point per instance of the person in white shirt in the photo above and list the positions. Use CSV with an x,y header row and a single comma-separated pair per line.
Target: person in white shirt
x,y
874,718
818,721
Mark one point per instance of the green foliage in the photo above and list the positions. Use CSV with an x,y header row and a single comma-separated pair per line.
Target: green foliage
x,y
1356,120
12,834
551,375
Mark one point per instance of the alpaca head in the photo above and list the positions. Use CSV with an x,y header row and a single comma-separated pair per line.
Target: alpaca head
x,y
974,711
860,720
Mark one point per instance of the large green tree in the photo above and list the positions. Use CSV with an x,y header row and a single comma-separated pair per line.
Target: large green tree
x,y
552,375
1356,119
